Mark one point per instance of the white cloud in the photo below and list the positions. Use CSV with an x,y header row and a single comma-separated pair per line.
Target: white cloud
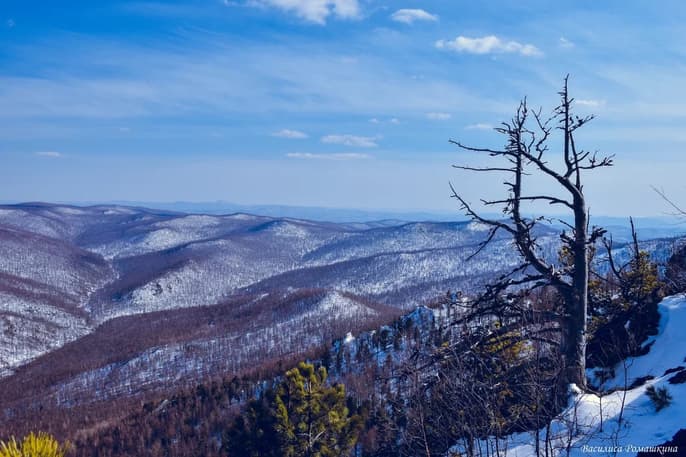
x,y
376,120
409,16
290,134
50,154
318,83
335,156
590,102
316,11
439,116
351,140
490,44
479,126
565,43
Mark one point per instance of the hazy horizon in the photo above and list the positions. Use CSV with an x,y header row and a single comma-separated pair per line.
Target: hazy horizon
x,y
670,222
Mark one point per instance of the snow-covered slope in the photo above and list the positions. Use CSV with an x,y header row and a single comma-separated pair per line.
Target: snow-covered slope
x,y
129,355
66,271
44,286
117,261
629,422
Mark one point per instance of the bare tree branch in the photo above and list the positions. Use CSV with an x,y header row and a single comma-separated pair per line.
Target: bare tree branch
x,y
461,167
677,208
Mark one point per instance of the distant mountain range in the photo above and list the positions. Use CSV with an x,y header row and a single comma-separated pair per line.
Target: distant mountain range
x,y
103,301
648,227
107,300
315,213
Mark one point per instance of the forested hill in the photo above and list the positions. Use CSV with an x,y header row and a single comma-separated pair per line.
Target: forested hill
x,y
109,302
107,308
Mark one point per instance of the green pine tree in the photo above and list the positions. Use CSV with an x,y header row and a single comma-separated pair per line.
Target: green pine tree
x,y
641,281
312,419
304,417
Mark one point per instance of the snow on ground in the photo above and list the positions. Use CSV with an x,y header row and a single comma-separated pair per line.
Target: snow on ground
x,y
667,349
478,227
332,306
116,210
335,304
241,217
192,222
70,211
579,427
29,328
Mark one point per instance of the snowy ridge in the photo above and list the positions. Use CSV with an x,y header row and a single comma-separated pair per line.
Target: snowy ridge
x,y
81,268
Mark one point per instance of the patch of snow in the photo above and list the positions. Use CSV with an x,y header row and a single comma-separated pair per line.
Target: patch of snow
x,y
288,229
242,217
30,328
191,222
118,210
70,211
478,227
667,348
581,429
336,306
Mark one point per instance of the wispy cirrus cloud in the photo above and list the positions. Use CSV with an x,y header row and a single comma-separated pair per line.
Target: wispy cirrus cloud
x,y
334,156
565,43
376,120
315,11
410,16
589,102
351,140
479,126
310,78
290,134
490,44
49,154
438,116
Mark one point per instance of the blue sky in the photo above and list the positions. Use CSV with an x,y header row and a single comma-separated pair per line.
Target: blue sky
x,y
336,103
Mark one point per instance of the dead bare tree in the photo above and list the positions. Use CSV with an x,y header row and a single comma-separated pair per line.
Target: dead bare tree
x,y
526,151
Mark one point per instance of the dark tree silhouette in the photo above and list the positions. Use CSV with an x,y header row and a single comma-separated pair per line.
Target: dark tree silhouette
x,y
526,151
